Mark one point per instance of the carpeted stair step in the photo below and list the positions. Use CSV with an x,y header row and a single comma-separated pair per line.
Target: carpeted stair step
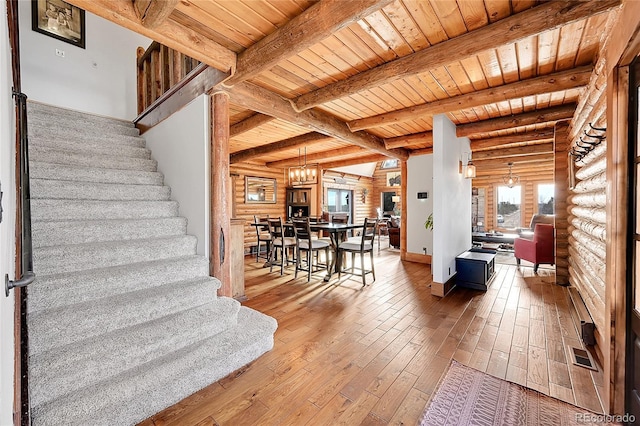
x,y
136,394
40,112
104,147
39,170
95,210
88,159
39,135
60,259
83,123
68,190
54,291
74,323
61,370
50,233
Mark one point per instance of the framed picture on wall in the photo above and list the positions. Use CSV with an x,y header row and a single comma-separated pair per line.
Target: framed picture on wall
x,y
58,19
393,179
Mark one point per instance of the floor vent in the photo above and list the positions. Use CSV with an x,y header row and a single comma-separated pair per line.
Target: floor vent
x,y
582,358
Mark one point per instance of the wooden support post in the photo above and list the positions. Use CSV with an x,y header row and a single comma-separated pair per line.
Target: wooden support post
x,y
403,213
220,193
561,180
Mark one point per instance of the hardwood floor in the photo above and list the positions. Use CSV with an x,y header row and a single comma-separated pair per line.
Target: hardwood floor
x,y
350,355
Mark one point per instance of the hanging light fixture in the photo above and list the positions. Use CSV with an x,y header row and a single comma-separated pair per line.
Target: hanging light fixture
x,y
470,171
510,180
303,174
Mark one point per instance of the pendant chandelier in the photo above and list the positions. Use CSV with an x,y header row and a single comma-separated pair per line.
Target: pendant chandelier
x,y
511,180
303,174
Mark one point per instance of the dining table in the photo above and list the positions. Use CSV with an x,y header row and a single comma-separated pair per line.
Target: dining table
x,y
337,233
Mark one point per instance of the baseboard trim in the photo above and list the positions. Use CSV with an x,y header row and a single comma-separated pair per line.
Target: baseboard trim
x,y
442,289
418,258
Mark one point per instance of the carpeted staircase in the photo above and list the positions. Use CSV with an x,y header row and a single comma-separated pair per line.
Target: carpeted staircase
x,y
123,318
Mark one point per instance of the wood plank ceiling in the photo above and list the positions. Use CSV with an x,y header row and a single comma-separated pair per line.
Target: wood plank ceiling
x,y
372,73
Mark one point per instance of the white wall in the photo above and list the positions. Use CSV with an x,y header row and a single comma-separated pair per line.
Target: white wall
x,y
180,145
451,199
7,242
100,79
419,179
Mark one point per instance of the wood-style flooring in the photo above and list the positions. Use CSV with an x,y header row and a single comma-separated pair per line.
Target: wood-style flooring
x,y
350,355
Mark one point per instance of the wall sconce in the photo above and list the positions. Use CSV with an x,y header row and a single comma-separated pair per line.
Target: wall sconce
x,y
469,170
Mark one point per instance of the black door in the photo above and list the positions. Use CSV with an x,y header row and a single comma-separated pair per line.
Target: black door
x,y
632,385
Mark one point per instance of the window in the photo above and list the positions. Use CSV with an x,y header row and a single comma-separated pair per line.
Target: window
x,y
338,200
545,198
389,164
508,211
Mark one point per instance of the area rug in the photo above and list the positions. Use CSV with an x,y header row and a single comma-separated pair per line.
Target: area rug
x,y
507,258
466,396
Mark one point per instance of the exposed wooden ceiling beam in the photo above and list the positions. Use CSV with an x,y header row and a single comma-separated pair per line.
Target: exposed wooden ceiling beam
x,y
374,158
319,156
258,99
563,80
415,138
545,148
547,115
310,27
169,33
421,151
496,142
501,163
152,13
282,145
256,120
545,17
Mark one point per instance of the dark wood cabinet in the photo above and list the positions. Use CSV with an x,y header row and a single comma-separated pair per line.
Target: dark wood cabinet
x,y
298,202
474,270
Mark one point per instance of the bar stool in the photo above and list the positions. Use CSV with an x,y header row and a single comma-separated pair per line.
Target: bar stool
x,y
312,246
263,235
279,241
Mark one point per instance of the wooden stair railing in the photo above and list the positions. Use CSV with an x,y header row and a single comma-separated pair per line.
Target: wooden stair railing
x,y
159,69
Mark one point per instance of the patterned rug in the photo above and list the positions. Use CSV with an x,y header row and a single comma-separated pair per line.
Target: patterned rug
x,y
469,397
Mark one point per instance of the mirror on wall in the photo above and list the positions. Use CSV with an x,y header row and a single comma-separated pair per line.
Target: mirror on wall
x,y
259,190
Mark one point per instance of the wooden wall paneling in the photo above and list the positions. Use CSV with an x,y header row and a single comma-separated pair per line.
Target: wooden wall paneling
x,y
380,184
561,179
246,211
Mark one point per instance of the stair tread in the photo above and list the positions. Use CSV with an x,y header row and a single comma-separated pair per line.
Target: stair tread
x,y
51,291
78,173
136,394
103,147
43,209
66,232
64,368
65,189
56,259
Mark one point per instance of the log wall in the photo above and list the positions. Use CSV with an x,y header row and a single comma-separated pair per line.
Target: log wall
x,y
246,211
586,208
380,185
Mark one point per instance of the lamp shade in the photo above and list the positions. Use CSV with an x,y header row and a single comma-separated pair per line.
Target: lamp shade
x,y
395,198
470,172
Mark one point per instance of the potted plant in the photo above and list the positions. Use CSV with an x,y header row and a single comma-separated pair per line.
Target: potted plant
x,y
429,223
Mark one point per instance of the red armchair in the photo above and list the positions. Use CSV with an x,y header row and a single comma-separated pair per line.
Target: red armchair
x,y
538,250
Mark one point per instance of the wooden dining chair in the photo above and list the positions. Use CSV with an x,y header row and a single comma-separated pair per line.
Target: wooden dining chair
x,y
306,242
365,245
263,235
279,242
